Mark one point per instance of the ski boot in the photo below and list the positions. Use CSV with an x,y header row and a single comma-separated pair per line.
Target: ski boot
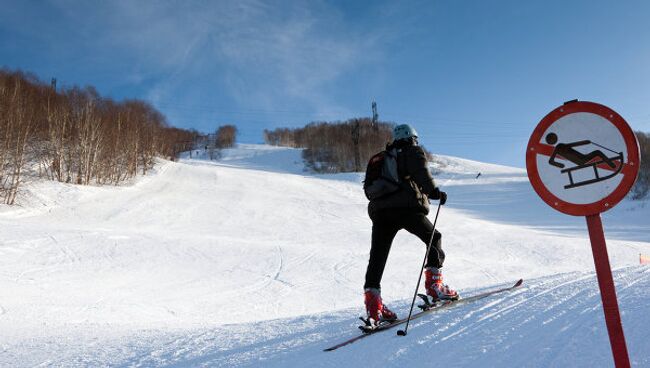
x,y
436,290
377,311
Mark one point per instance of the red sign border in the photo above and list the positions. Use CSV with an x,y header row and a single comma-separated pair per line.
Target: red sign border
x,y
629,175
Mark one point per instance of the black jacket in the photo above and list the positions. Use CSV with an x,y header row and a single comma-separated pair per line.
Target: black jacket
x,y
416,181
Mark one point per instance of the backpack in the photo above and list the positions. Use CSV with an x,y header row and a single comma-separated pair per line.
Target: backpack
x,y
381,175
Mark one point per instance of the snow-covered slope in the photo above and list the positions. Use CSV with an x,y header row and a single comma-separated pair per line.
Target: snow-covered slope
x,y
252,260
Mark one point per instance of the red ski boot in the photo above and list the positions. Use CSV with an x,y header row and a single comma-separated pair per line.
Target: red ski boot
x,y
376,310
435,288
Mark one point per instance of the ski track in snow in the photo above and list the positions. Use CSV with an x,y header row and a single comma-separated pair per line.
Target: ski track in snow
x,y
526,328
251,262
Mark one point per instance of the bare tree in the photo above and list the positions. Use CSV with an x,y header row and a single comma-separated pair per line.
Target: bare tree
x,y
642,186
226,136
336,146
16,123
75,135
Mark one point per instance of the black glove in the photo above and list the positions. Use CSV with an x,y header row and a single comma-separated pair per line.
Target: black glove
x,y
438,194
443,198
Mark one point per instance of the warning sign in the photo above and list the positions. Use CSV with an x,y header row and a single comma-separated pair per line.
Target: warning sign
x,y
582,158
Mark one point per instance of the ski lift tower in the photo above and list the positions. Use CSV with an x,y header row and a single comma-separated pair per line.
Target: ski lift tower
x,y
375,116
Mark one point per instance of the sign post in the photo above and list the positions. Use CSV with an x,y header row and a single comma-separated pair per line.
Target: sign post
x,y
582,159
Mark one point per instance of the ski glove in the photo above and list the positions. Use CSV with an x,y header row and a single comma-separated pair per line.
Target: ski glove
x,y
438,194
443,198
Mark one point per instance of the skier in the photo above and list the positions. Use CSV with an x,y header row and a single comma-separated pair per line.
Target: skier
x,y
407,208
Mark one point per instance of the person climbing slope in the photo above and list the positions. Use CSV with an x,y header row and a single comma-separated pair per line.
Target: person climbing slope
x,y
406,207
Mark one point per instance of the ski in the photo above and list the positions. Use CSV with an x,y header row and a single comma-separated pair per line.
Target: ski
x,y
426,308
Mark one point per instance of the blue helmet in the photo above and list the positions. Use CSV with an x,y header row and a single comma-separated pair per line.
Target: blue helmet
x,y
404,131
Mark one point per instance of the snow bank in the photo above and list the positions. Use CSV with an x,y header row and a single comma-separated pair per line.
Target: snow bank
x,y
252,260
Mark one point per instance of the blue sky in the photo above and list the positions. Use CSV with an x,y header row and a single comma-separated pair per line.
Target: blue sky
x,y
473,77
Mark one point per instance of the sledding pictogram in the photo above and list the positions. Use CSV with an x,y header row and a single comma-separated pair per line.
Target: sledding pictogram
x,y
595,160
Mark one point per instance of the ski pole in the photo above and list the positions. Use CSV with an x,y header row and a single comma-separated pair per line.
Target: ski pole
x,y
424,262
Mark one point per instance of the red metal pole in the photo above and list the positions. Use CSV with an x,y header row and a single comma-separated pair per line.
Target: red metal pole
x,y
607,291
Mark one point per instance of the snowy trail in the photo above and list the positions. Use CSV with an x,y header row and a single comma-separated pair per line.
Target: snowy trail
x,y
189,264
543,324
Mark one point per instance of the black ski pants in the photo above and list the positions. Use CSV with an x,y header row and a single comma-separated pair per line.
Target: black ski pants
x,y
385,225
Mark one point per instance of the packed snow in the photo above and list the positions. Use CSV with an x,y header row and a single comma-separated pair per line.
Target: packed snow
x,y
253,261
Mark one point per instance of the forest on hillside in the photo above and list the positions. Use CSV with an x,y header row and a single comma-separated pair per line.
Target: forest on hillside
x,y
642,185
74,135
332,147
346,146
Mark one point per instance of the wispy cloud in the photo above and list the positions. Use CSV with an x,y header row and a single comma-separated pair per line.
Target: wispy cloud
x,y
240,55
273,53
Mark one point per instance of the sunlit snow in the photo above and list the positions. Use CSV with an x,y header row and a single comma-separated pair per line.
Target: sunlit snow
x,y
253,261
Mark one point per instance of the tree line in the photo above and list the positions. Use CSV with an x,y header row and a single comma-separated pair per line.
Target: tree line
x,y
74,135
212,144
642,186
225,136
332,147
